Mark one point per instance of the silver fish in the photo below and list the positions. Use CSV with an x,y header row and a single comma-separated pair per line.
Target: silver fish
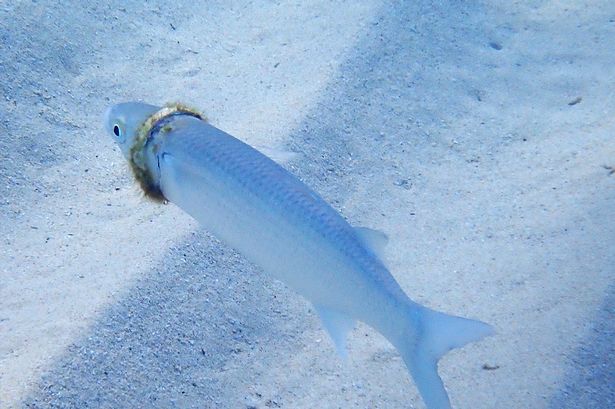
x,y
257,207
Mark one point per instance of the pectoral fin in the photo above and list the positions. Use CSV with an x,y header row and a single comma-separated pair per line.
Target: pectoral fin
x,y
338,325
277,155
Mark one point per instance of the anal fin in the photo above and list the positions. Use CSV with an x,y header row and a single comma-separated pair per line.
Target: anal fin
x,y
338,325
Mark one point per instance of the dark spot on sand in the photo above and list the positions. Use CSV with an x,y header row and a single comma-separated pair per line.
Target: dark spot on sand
x,y
575,101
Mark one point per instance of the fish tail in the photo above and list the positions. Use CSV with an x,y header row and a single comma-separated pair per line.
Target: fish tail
x,y
433,335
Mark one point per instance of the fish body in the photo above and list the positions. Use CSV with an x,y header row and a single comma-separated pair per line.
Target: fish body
x,y
257,207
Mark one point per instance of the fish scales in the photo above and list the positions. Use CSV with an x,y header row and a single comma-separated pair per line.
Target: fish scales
x,y
271,185
269,193
283,226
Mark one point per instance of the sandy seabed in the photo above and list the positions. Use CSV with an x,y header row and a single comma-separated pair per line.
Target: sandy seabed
x,y
479,137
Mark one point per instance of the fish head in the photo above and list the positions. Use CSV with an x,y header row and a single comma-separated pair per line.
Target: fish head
x,y
123,121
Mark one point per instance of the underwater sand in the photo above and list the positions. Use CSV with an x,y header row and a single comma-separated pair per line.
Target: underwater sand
x,y
477,136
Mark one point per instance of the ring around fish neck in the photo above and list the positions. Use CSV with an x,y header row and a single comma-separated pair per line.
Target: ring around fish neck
x,y
146,131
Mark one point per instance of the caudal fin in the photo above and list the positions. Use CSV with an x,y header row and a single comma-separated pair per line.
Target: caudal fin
x,y
437,333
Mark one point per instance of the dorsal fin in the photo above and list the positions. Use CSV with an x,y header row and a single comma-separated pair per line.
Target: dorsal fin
x,y
375,240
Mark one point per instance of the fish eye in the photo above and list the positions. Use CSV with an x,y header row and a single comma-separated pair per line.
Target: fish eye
x,y
116,130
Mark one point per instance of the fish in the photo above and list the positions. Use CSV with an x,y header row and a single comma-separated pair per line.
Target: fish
x,y
254,205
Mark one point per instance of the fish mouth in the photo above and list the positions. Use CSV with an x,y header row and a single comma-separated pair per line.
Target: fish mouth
x,y
106,118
